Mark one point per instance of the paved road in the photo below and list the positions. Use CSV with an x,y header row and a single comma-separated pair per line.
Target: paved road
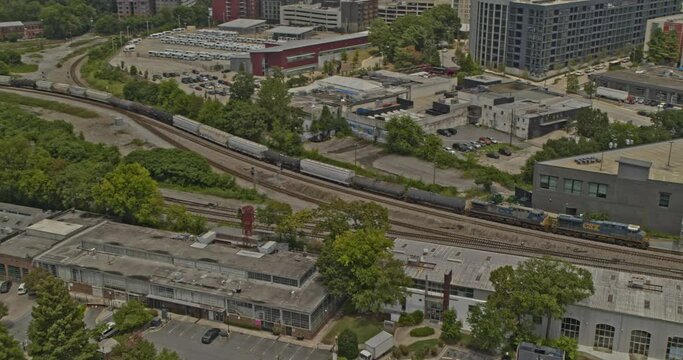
x,y
19,316
185,339
624,113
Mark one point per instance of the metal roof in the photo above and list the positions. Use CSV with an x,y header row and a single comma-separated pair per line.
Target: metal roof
x,y
11,24
296,44
291,30
242,23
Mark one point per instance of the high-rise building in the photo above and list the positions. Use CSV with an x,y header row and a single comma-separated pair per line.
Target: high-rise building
x,y
127,8
226,10
543,37
357,15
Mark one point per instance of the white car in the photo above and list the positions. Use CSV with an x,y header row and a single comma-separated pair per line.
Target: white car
x,y
21,290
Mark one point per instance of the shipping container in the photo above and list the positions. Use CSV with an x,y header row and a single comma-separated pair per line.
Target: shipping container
x,y
213,134
186,124
326,171
247,147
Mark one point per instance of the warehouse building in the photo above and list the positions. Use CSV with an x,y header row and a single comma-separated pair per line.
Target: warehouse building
x,y
110,263
640,185
659,83
15,257
304,55
244,26
290,32
629,316
544,37
20,30
511,106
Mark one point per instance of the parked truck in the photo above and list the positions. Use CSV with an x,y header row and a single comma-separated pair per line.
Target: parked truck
x,y
615,94
379,345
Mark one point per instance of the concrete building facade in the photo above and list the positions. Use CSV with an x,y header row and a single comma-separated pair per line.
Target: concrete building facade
x,y
640,185
545,37
629,315
659,83
316,15
127,8
227,10
357,15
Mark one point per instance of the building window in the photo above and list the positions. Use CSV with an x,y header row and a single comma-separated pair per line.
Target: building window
x,y
597,190
570,328
549,182
572,186
664,199
640,342
604,336
674,348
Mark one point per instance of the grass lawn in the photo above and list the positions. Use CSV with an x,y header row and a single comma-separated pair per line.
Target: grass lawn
x,y
23,68
16,99
364,327
29,46
419,346
80,42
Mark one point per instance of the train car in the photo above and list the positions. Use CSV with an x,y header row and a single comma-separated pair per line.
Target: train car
x,y
380,187
100,96
161,115
77,91
186,124
213,134
418,196
23,83
516,215
327,171
121,103
5,80
44,85
286,162
247,147
60,88
605,231
141,108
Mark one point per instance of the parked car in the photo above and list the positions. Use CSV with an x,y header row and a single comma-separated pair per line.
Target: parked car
x,y
453,131
492,140
156,322
505,151
210,335
5,286
643,113
22,290
493,155
475,144
443,132
485,140
109,331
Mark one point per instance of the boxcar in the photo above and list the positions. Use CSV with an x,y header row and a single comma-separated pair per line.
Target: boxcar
x,y
429,198
186,124
213,134
327,172
247,147
77,91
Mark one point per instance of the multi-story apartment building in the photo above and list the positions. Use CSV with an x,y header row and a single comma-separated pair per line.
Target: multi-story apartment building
x,y
127,8
227,10
357,15
543,37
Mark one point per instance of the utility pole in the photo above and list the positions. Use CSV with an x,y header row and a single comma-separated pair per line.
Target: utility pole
x,y
512,120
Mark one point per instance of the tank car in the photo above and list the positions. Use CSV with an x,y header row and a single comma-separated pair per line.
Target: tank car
x,y
418,196
380,187
23,83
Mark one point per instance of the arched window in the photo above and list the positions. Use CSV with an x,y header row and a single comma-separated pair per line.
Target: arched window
x,y
604,336
570,328
640,342
674,348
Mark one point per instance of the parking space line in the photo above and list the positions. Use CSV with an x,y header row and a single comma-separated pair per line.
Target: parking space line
x,y
310,354
295,351
272,342
173,328
257,342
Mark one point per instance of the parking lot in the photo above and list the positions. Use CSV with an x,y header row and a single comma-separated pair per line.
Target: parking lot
x,y
185,339
19,316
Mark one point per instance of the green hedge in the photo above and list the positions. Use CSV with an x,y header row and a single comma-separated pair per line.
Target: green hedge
x,y
422,331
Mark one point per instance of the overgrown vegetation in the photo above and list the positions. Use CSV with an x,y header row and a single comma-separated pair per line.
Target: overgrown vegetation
x,y
10,62
663,48
99,74
16,99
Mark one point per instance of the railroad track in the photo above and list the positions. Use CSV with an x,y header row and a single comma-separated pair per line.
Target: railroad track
x,y
75,76
644,266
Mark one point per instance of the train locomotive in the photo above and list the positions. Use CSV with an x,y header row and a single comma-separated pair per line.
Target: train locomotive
x,y
603,231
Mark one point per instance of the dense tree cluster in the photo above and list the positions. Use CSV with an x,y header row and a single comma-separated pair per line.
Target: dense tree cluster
x,y
406,137
663,47
595,133
412,40
131,316
535,289
136,348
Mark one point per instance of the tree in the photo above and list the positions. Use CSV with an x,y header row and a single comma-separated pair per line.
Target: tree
x,y
131,315
590,89
242,86
4,68
133,70
489,326
356,59
572,83
290,227
134,348
347,343
359,264
339,216
381,37
663,47
57,330
9,348
107,25
179,219
431,145
35,278
211,109
445,22
244,119
404,135
129,192
273,212
166,354
274,95
344,56
591,122
450,327
568,345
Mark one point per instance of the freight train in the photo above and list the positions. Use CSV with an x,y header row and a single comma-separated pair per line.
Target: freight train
x,y
603,231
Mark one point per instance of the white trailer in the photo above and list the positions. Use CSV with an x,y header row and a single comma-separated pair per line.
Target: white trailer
x,y
613,94
377,346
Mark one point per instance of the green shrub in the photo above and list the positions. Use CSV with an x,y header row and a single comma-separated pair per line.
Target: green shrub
x,y
422,331
412,319
348,344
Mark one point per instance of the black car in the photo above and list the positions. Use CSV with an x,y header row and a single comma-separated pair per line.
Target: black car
x,y
453,131
210,335
493,155
443,132
5,286
505,151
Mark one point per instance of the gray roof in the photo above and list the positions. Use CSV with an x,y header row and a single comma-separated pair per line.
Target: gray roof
x,y
650,77
295,44
291,30
656,153
613,289
11,24
242,23
635,162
